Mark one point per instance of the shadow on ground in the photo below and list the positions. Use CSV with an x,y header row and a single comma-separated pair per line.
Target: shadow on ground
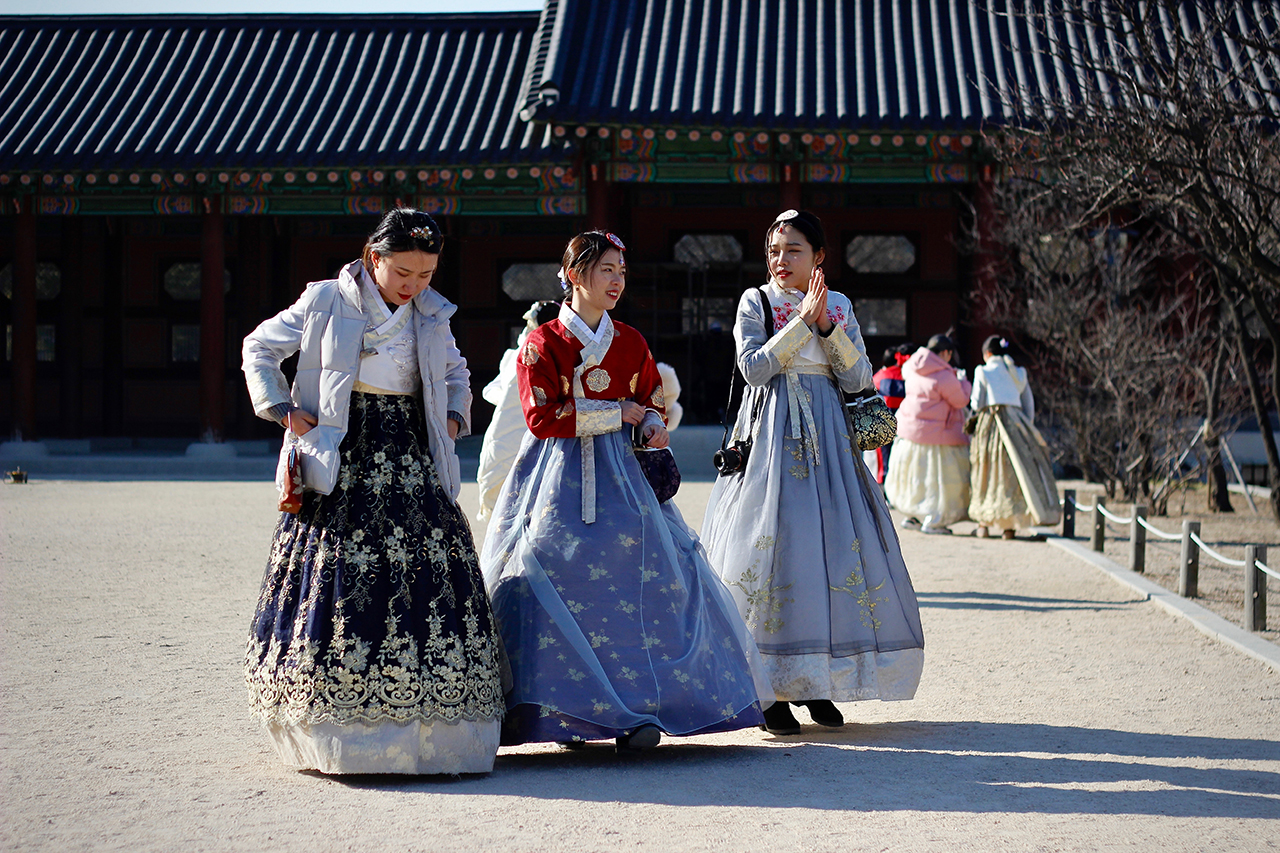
x,y
1000,601
969,767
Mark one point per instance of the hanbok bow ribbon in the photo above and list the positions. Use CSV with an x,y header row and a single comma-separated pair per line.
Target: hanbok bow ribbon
x,y
593,352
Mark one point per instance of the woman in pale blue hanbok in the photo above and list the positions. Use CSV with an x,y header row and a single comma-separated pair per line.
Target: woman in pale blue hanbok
x,y
613,621
802,536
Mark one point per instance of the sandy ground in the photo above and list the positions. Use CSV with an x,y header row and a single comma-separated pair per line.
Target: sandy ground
x,y
1057,712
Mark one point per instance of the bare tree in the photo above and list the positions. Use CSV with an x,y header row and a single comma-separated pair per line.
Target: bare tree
x,y
1120,340
1169,116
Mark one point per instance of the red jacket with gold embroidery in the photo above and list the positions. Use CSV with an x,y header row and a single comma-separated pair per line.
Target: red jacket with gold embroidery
x,y
545,373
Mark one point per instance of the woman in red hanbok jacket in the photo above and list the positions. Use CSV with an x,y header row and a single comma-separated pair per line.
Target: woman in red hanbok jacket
x,y
614,623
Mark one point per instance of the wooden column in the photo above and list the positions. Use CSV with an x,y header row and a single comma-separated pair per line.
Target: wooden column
x,y
24,322
71,330
213,334
599,212
790,186
985,258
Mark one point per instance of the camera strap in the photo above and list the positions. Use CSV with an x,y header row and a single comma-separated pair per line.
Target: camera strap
x,y
737,375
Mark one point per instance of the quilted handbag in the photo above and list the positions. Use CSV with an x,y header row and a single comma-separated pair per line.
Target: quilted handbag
x,y
660,469
872,423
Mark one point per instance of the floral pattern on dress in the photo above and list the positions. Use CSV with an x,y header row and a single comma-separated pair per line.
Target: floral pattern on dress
x,y
373,608
783,313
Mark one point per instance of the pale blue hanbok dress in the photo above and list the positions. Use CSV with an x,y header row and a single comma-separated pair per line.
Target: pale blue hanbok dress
x,y
802,537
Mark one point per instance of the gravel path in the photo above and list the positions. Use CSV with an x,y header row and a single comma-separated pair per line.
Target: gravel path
x,y
1057,712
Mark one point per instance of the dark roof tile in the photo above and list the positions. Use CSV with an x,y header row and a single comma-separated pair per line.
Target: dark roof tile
x,y
264,91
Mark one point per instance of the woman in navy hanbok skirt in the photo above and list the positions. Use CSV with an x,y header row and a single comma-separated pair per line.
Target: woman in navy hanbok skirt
x,y
372,648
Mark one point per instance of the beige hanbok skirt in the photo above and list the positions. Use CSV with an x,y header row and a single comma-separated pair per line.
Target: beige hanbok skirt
x,y
929,481
1012,483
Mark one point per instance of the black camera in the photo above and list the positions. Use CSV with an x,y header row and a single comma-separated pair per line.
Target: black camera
x,y
732,459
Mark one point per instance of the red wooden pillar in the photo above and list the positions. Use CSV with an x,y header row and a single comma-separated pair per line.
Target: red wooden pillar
x,y
985,258
599,211
213,335
24,322
790,187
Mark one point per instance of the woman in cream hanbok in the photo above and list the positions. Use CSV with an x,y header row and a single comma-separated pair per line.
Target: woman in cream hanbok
x,y
1011,476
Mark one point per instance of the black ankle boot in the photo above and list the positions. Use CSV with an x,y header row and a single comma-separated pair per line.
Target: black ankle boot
x,y
778,720
823,712
645,737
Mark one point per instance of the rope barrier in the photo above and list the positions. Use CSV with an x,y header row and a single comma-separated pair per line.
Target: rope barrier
x,y
1172,537
1117,519
1212,553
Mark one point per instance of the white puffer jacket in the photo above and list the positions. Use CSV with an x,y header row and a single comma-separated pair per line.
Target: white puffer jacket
x,y
326,325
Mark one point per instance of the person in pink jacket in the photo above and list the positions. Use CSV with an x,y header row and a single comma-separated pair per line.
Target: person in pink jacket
x,y
928,474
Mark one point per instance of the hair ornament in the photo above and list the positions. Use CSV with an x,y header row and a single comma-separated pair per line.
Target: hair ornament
x,y
422,232
1004,344
787,215
615,240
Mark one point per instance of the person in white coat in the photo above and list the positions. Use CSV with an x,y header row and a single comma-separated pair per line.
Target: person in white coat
x,y
507,427
373,648
1012,483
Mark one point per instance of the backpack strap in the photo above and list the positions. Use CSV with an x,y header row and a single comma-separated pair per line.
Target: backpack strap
x,y
736,376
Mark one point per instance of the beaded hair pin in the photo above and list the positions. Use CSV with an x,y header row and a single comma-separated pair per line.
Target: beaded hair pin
x,y
422,232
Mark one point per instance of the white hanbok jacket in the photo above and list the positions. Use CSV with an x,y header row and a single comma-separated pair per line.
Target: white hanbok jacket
x,y
326,326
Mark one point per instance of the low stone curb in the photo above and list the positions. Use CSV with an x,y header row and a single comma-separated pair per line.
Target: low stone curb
x,y
1205,621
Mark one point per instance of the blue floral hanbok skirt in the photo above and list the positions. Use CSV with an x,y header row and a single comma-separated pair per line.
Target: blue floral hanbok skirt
x,y
616,624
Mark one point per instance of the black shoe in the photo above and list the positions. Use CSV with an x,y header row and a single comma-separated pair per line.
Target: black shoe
x,y
645,737
778,720
823,712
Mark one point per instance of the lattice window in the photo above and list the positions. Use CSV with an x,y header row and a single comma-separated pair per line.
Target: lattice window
x,y
881,316
702,250
184,343
881,253
532,282
48,281
182,281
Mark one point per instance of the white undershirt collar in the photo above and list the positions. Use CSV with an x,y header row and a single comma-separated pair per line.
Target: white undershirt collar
x,y
575,324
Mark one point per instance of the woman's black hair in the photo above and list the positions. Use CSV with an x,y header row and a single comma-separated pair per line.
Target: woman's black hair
x,y
585,251
995,345
908,348
547,311
890,357
803,221
938,343
403,229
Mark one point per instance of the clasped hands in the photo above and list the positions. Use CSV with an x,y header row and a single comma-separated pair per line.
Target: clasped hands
x,y
655,436
813,308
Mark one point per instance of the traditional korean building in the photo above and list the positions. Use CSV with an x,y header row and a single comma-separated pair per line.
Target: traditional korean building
x,y
168,182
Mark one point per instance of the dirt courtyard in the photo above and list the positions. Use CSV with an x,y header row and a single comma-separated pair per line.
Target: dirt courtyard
x,y
1058,711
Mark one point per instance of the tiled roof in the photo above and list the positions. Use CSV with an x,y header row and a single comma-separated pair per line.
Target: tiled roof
x,y
245,91
813,64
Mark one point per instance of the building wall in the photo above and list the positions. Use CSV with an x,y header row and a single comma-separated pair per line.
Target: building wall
x,y
118,366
